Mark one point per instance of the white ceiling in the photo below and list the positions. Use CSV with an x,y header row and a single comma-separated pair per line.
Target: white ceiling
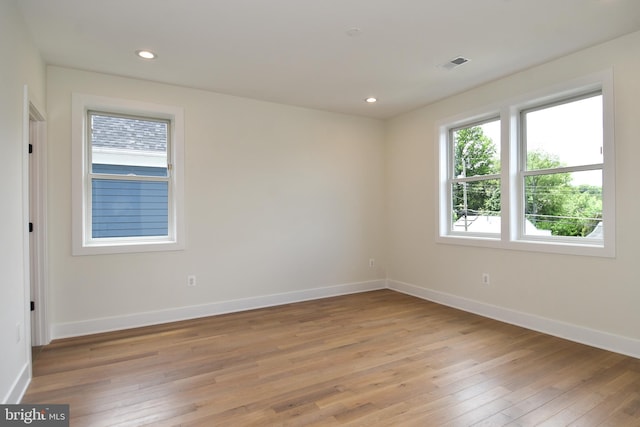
x,y
299,52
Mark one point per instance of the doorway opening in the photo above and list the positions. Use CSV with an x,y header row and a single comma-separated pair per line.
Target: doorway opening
x,y
37,226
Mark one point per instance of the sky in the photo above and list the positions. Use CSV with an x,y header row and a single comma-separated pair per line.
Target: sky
x,y
572,131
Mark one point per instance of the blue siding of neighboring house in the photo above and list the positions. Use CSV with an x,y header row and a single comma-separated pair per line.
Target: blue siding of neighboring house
x,y
129,208
126,170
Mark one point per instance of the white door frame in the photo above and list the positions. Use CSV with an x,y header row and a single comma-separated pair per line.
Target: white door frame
x,y
35,133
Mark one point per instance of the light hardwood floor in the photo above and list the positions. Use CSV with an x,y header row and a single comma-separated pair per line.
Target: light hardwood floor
x,y
373,359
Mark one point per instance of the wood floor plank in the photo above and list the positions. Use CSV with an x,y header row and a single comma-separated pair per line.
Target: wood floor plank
x,y
372,359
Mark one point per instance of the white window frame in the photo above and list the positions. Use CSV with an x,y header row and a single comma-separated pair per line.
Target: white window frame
x,y
512,176
82,241
472,179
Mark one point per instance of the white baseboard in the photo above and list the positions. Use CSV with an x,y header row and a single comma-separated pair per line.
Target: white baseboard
x,y
93,326
19,387
580,334
594,338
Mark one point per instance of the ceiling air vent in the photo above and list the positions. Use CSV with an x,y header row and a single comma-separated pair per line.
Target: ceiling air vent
x,y
455,62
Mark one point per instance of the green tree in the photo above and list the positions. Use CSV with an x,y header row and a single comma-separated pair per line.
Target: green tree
x,y
553,203
476,155
545,195
584,212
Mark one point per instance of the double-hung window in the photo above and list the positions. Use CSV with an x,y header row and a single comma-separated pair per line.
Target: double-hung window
x,y
127,176
535,173
474,171
562,165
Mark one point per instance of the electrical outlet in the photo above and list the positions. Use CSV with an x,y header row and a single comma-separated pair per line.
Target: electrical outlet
x,y
372,262
18,332
486,279
191,280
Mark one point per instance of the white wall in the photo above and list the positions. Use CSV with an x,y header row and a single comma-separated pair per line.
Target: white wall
x,y
21,64
596,294
279,200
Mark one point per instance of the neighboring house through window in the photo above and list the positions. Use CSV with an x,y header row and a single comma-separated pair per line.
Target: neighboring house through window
x,y
128,176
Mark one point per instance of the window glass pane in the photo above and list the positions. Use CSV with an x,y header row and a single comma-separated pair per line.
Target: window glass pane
x,y
129,208
476,206
476,150
128,146
568,134
564,204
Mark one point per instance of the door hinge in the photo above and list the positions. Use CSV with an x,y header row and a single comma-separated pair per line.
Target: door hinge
x,y
30,227
33,306
30,148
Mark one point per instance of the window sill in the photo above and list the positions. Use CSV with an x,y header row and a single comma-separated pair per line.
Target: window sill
x,y
559,247
120,247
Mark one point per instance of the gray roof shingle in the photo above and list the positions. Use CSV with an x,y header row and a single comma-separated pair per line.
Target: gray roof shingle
x,y
128,133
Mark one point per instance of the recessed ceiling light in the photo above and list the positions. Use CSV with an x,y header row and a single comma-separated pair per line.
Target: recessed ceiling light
x,y
371,100
146,54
